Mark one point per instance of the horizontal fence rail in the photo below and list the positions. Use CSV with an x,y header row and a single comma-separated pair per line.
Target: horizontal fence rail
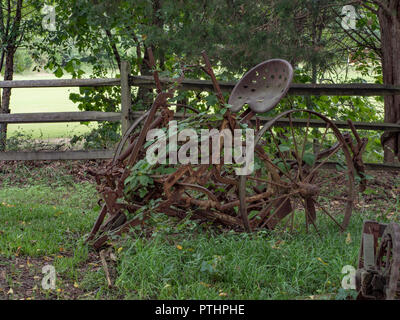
x,y
86,116
285,122
126,116
48,117
356,89
56,155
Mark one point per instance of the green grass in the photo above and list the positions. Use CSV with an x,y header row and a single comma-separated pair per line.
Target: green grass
x,y
40,219
47,216
235,267
37,221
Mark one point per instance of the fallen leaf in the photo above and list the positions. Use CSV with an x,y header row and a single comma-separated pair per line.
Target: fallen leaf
x,y
348,238
179,247
113,257
205,284
322,261
277,244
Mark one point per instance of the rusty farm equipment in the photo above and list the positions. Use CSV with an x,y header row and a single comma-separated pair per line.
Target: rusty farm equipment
x,y
378,272
288,186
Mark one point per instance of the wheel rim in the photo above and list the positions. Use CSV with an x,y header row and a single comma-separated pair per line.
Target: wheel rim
x,y
301,184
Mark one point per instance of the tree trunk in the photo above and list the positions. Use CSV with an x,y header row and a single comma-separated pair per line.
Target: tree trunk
x,y
389,19
145,95
5,103
12,36
144,98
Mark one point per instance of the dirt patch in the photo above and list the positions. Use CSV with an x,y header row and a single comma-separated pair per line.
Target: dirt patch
x,y
79,170
21,279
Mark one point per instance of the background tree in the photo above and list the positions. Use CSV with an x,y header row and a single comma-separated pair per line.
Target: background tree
x,y
237,35
18,20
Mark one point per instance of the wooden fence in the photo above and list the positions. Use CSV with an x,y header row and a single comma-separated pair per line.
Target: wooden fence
x,y
126,116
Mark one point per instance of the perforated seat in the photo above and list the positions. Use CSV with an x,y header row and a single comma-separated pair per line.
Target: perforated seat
x,y
263,86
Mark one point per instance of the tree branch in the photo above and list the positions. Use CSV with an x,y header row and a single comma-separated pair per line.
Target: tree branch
x,y
114,48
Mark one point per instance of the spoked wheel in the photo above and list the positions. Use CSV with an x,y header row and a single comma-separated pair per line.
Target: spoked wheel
x,y
388,261
290,185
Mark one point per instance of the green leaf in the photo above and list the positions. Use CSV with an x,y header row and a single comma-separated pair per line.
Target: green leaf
x,y
309,158
253,214
284,148
59,73
142,192
69,67
211,100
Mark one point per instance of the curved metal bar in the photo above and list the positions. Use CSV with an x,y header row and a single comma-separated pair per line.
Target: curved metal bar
x,y
127,134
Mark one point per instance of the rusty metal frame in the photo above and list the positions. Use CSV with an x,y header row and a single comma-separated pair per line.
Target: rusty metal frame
x,y
176,186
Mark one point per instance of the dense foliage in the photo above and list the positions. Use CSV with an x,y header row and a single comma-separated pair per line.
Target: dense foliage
x,y
92,37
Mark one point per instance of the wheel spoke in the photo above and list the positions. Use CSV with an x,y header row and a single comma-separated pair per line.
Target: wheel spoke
x,y
279,150
306,137
267,181
309,217
324,135
321,163
299,161
328,214
319,184
267,159
277,210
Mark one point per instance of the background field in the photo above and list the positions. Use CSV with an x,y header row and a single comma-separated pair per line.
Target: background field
x,y
44,100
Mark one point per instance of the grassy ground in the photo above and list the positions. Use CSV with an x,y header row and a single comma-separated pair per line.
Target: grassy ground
x,y
45,213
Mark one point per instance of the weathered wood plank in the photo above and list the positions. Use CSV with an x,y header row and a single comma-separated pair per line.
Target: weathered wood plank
x,y
109,154
356,89
340,124
116,116
49,117
57,83
56,155
284,122
353,89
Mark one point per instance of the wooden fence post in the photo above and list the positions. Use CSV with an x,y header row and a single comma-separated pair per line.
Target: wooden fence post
x,y
126,98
